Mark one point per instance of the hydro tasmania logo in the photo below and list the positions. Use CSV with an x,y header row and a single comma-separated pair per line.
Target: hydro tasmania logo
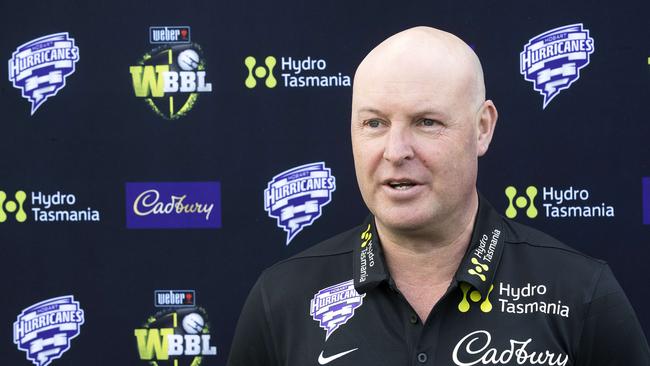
x,y
367,254
177,336
483,254
296,196
305,72
513,299
333,306
39,67
556,203
171,76
553,59
44,330
173,205
44,207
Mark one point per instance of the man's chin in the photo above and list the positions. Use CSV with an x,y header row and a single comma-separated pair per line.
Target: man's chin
x,y
404,221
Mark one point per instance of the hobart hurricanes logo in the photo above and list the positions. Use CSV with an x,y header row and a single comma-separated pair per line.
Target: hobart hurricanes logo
x,y
177,336
44,330
553,59
171,76
333,306
296,197
40,67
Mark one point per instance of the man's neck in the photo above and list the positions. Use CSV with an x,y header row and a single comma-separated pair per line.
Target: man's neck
x,y
424,260
423,266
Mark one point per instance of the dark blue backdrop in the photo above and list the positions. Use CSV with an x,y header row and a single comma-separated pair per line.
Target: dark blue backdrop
x,y
95,136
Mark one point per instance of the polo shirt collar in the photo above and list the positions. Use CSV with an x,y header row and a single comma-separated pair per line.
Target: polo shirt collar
x,y
477,267
481,261
368,261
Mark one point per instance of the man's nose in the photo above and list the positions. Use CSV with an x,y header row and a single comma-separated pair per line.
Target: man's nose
x,y
398,145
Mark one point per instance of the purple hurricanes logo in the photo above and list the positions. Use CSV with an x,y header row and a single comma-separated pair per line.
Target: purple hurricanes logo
x,y
173,205
45,329
646,201
333,306
296,197
39,67
552,60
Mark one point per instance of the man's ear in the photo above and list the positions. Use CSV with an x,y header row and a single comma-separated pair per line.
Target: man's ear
x,y
487,120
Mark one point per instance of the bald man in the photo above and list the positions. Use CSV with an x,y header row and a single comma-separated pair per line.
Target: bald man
x,y
434,275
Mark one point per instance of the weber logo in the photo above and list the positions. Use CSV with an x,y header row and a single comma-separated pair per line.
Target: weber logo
x,y
174,298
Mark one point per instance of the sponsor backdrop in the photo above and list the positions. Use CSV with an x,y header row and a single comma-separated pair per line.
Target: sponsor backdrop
x,y
155,157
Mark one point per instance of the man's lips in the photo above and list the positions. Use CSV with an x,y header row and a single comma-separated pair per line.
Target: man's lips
x,y
400,183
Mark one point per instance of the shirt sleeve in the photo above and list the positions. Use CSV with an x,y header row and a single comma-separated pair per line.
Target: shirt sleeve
x,y
252,344
611,334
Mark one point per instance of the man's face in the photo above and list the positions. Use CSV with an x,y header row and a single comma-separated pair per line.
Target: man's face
x,y
414,139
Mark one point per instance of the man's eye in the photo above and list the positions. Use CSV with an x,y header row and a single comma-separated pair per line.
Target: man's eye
x,y
373,123
428,122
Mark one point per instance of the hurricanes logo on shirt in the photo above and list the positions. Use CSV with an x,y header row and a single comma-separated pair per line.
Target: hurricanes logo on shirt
x,y
333,306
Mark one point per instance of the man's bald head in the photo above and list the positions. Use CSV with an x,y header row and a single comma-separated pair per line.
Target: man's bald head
x,y
419,123
420,52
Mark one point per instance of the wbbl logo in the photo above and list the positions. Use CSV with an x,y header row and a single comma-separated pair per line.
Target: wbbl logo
x,y
333,306
44,330
39,67
296,197
552,60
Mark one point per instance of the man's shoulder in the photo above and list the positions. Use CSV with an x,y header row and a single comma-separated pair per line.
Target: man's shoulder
x,y
323,253
536,240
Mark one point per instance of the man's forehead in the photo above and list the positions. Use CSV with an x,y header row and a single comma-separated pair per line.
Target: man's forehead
x,y
430,91
416,101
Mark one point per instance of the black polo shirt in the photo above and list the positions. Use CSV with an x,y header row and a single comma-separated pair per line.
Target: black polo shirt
x,y
519,297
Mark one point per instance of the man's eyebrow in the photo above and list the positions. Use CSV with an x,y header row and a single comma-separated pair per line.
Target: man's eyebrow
x,y
417,113
429,112
369,110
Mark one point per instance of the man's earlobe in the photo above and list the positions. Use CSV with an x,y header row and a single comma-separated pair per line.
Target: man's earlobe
x,y
486,124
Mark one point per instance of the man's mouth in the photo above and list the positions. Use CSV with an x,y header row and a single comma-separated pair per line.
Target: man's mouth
x,y
401,185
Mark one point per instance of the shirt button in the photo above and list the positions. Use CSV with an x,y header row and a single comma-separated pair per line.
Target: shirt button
x,y
422,357
414,319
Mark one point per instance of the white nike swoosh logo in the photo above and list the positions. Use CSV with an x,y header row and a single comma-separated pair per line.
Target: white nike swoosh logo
x,y
325,360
